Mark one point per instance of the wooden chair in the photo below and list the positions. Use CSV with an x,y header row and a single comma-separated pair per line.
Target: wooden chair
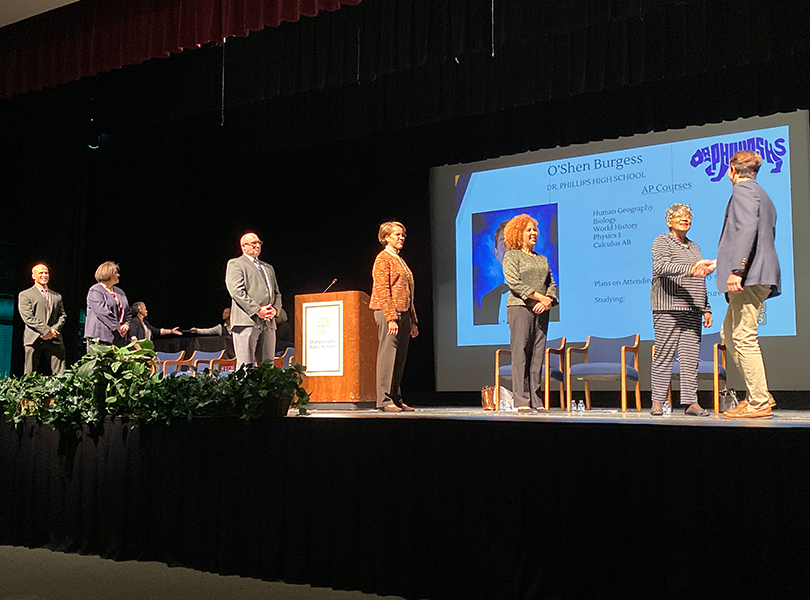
x,y
711,365
202,360
167,362
223,365
285,359
605,359
552,369
188,366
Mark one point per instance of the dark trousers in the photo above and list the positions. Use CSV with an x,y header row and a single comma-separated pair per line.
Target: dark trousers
x,y
527,340
45,350
676,330
392,351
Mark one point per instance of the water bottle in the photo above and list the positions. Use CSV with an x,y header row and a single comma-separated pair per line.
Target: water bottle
x,y
667,407
506,402
574,407
581,406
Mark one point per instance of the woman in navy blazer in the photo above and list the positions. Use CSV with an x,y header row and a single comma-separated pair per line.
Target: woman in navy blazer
x,y
107,308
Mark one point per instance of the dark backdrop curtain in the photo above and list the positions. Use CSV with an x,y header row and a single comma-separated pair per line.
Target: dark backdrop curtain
x,y
94,36
405,62
388,65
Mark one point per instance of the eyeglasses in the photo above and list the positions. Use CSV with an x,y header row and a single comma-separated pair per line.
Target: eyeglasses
x,y
257,243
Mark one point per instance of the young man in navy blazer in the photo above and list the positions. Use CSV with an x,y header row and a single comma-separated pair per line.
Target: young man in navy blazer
x,y
748,273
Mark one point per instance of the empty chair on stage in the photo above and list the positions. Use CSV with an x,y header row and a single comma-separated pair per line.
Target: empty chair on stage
x,y
605,359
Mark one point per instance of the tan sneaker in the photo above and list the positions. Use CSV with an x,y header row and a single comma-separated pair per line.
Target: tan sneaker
x,y
733,411
750,413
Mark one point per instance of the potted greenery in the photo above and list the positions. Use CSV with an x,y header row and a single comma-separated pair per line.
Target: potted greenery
x,y
121,381
267,390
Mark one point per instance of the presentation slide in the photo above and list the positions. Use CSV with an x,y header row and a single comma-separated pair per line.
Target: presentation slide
x,y
598,215
599,206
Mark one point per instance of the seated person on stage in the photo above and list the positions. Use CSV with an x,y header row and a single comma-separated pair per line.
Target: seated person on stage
x,y
284,333
223,329
141,329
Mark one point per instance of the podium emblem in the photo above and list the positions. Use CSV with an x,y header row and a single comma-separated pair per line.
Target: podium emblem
x,y
323,338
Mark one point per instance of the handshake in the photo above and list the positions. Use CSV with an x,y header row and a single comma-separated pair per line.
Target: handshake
x,y
703,267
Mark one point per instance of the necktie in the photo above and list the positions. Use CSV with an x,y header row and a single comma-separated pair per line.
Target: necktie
x,y
47,296
261,270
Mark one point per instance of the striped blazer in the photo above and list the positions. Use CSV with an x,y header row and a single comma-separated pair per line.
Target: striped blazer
x,y
673,288
392,291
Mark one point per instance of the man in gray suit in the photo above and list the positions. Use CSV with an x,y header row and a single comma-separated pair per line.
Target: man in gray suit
x,y
43,313
255,300
748,272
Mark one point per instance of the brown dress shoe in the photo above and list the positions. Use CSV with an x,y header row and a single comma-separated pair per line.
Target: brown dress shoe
x,y
406,408
391,408
750,412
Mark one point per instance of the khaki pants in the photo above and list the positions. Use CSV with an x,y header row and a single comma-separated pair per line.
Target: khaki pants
x,y
739,334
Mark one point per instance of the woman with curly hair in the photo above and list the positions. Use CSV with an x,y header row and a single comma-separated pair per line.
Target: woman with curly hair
x,y
532,292
394,312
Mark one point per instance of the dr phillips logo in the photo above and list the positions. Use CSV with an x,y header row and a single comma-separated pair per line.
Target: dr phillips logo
x,y
718,155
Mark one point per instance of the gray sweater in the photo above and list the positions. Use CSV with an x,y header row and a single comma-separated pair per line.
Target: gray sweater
x,y
525,274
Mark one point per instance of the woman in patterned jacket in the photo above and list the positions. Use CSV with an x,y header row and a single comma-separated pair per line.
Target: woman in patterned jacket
x,y
394,312
679,304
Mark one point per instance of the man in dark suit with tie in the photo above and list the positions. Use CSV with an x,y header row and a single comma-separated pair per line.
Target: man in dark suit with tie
x,y
255,300
43,313
748,273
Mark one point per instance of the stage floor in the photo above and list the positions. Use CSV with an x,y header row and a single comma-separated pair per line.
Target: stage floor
x,y
604,416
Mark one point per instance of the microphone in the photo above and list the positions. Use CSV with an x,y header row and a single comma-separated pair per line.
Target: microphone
x,y
334,281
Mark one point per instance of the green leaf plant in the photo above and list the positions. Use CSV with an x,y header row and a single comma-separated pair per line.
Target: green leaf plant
x,y
123,381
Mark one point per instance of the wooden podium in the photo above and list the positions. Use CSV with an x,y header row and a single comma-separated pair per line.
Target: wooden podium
x,y
336,339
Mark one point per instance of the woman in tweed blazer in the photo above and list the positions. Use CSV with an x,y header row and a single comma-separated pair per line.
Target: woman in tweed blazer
x,y
394,312
679,303
532,292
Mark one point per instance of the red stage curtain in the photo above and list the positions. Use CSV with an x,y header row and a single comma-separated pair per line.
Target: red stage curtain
x,y
94,36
